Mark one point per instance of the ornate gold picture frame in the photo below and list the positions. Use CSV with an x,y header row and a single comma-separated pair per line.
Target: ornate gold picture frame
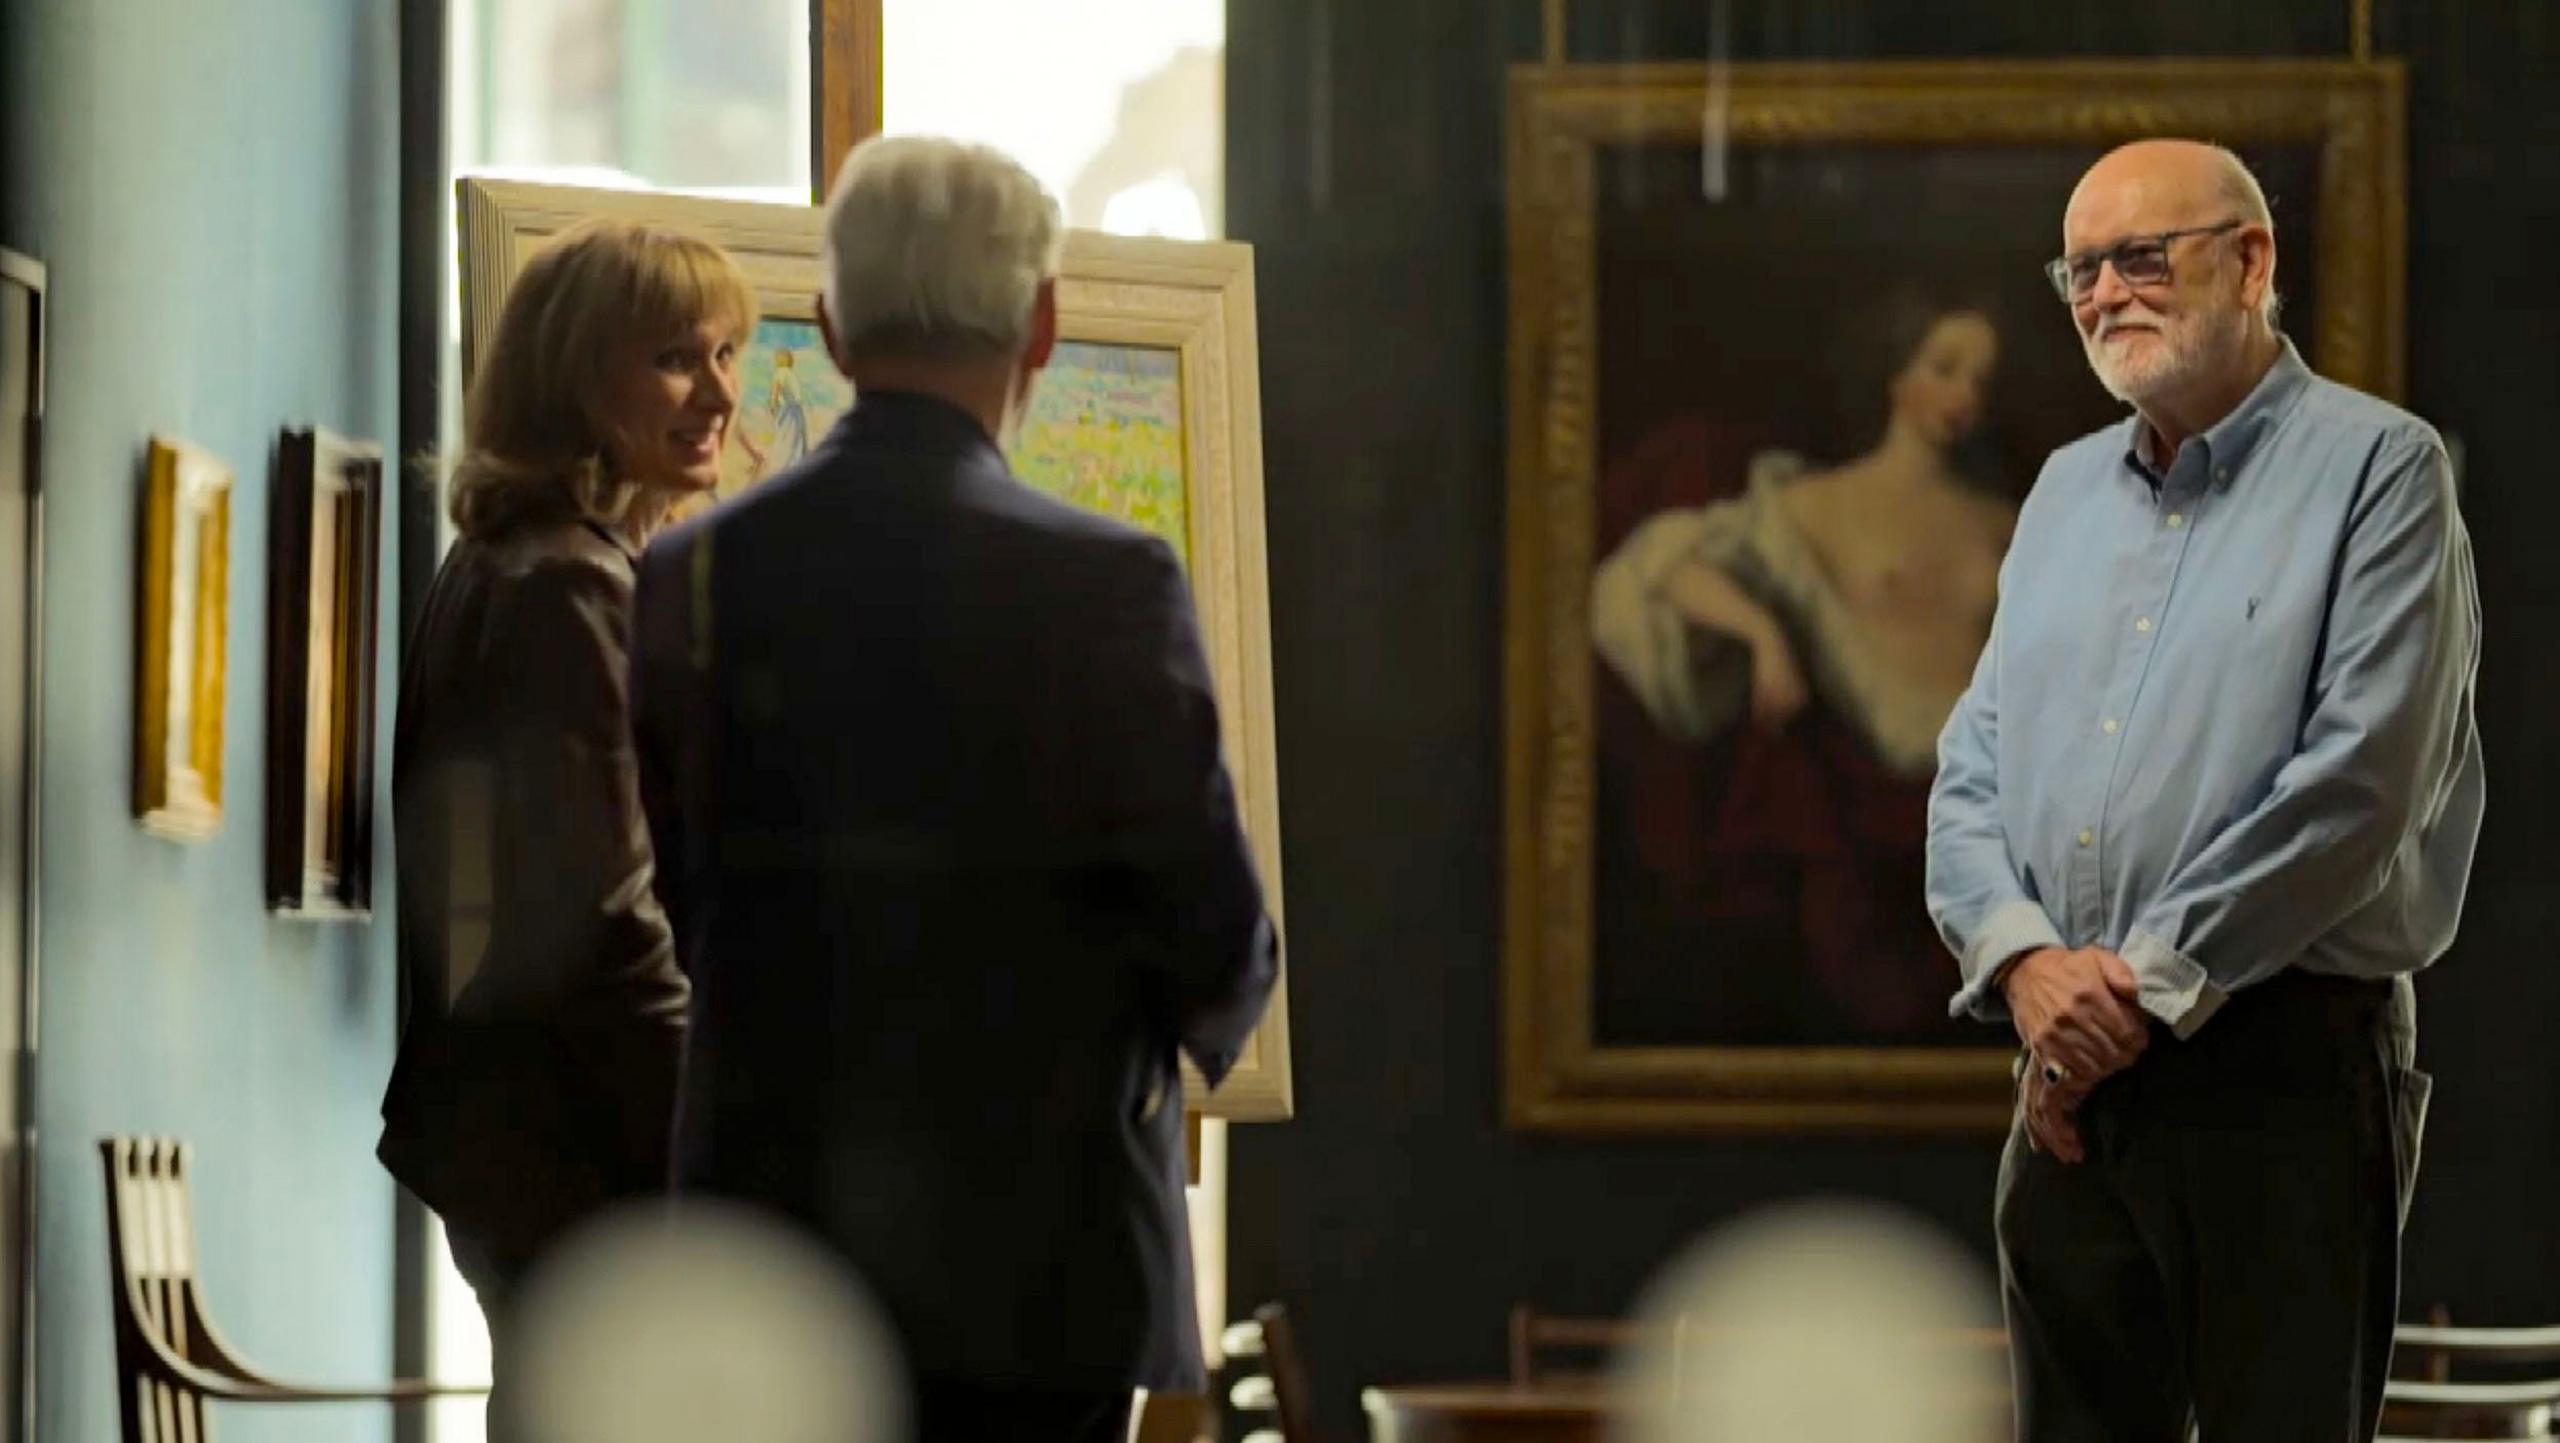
x,y
1611,172
184,652
1151,411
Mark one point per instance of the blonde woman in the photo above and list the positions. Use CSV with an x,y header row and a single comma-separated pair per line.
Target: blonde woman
x,y
544,1011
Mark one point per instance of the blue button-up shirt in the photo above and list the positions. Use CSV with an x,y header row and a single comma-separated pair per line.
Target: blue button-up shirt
x,y
2223,725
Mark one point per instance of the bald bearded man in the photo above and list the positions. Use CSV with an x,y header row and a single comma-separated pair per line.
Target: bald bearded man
x,y
2208,803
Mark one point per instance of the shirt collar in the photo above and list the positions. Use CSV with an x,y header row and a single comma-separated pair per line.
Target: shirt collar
x,y
2229,442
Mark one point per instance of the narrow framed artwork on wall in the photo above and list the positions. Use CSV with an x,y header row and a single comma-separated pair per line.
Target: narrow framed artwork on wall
x,y
184,657
23,343
1735,620
324,584
1150,412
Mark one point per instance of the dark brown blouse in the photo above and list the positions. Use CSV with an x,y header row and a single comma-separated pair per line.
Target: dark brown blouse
x,y
543,1011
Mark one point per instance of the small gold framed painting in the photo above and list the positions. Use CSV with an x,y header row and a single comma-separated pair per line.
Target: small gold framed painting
x,y
185,625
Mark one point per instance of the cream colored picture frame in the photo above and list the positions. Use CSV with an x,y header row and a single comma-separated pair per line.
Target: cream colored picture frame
x,y
1194,300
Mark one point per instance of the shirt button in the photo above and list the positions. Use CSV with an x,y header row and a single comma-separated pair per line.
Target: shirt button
x,y
2109,726
2176,520
2142,623
2222,473
2087,836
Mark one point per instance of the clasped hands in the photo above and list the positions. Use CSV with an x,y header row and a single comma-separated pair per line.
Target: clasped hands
x,y
2075,1010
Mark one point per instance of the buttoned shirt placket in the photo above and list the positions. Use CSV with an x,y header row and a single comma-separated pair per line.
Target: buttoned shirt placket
x,y
2150,580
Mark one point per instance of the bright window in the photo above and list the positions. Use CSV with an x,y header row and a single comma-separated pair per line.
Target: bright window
x,y
644,94
1119,106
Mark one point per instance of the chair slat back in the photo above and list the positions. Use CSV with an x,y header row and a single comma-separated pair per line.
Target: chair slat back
x,y
2451,1382
151,1266
1293,1400
1534,1335
1276,1385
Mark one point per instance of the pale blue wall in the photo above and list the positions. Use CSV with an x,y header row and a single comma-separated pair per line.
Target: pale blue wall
x,y
212,184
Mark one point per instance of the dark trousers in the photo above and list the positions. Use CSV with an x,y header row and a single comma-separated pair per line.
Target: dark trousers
x,y
953,1410
2227,1256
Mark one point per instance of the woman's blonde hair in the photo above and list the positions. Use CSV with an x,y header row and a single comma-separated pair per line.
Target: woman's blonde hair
x,y
533,441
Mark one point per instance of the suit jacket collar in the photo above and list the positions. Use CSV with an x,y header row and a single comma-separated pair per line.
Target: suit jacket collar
x,y
912,419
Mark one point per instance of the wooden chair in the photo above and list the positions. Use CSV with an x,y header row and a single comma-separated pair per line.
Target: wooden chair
x,y
1600,1340
169,1359
1534,1335
2438,1389
1172,1418
1280,1386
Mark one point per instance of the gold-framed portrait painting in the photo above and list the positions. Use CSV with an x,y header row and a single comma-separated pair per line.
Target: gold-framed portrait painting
x,y
183,659
1782,362
1149,411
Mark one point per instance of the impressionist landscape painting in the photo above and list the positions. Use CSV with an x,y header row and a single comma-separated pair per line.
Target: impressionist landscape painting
x,y
1104,430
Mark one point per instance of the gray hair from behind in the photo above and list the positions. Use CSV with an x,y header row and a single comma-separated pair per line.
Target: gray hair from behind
x,y
936,250
2248,200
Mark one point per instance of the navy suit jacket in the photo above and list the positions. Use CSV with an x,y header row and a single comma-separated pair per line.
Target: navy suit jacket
x,y
932,766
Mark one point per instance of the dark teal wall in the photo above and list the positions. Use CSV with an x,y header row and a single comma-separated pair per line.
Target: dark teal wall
x,y
212,186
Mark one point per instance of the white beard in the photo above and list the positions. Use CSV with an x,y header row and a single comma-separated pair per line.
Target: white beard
x,y
2185,350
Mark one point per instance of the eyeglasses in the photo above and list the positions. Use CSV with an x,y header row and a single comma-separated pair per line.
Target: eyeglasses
x,y
2141,261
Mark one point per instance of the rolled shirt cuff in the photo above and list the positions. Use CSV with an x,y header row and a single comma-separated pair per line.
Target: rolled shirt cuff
x,y
2171,986
2011,929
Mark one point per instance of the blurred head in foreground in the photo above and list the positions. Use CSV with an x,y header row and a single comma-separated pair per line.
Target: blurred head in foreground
x,y
704,1323
1838,1320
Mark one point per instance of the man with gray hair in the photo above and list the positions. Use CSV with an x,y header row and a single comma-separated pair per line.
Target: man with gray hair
x,y
2209,802
932,766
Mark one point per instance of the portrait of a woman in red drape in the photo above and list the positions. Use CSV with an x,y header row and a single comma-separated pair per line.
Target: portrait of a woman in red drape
x,y
1780,639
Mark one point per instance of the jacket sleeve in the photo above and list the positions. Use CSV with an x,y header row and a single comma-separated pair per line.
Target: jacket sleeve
x,y
1169,817
578,926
